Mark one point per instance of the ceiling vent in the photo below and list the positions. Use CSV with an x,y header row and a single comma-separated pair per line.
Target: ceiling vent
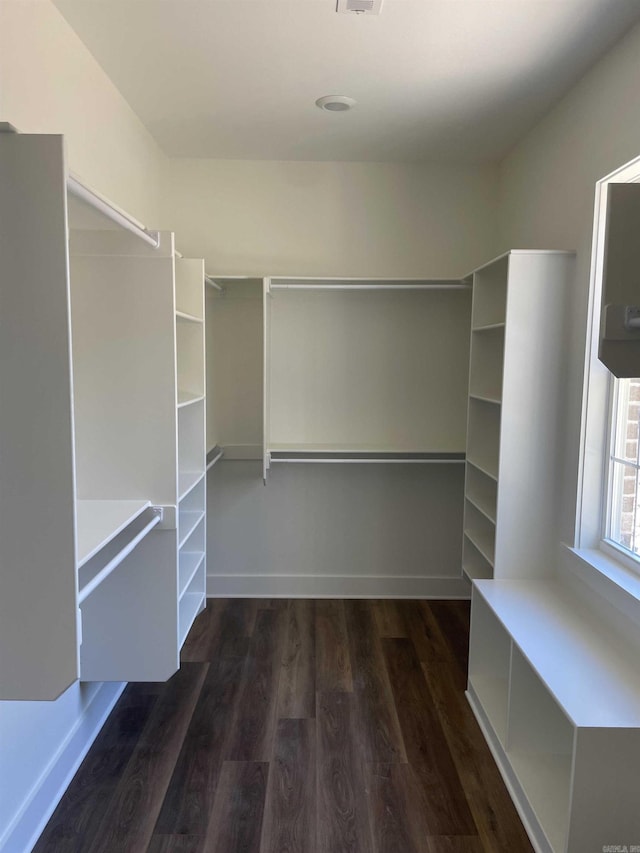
x,y
360,7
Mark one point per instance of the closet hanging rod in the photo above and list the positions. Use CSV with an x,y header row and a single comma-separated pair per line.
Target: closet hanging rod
x,y
214,284
426,286
372,457
113,564
365,460
106,208
216,458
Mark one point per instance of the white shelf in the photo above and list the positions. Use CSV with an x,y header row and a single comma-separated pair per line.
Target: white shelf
x,y
483,469
482,492
98,522
488,327
474,570
188,608
188,318
187,523
189,563
483,399
186,398
188,480
481,507
484,542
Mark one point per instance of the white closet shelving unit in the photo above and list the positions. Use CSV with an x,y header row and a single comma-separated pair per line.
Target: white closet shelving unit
x,y
562,716
365,370
89,464
191,413
515,399
556,691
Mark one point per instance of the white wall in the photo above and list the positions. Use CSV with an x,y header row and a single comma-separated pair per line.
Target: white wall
x,y
547,191
275,218
50,83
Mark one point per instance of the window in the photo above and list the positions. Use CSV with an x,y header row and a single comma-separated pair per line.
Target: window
x,y
605,551
623,504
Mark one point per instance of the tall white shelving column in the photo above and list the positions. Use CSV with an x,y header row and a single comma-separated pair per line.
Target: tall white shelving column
x,y
515,400
191,408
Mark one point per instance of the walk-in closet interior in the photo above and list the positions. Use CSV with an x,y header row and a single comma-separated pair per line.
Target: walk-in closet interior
x,y
324,356
345,436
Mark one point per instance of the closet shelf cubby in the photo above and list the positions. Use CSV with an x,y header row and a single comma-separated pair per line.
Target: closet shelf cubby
x,y
190,562
188,480
188,520
484,542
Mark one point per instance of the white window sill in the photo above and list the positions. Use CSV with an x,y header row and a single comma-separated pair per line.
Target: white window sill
x,y
607,577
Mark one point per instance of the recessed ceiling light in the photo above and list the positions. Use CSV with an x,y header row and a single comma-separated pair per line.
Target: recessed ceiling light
x,y
335,103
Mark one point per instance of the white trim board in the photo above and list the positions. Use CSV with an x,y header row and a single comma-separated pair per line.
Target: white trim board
x,y
334,586
23,832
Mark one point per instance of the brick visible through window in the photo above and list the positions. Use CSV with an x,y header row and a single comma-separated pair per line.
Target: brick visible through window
x,y
624,498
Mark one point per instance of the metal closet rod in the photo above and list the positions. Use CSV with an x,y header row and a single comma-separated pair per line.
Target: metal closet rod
x,y
119,557
214,284
217,455
425,286
99,203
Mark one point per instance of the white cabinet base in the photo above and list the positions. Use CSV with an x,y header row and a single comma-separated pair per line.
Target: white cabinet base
x,y
557,696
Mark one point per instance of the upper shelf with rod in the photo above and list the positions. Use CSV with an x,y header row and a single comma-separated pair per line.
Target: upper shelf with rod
x,y
90,210
380,377
214,284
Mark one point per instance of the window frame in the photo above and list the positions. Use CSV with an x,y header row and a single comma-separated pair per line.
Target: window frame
x,y
609,545
590,557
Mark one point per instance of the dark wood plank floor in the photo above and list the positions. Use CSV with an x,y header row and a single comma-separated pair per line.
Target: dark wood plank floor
x,y
297,727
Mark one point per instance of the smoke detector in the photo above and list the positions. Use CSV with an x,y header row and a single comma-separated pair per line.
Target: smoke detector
x,y
335,103
360,7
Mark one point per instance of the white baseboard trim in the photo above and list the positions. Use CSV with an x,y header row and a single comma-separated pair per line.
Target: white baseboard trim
x,y
334,586
22,835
